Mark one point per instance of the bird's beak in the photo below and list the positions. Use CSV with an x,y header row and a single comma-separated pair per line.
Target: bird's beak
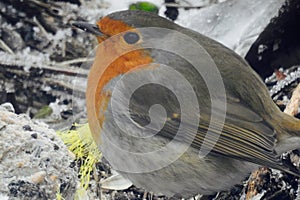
x,y
90,28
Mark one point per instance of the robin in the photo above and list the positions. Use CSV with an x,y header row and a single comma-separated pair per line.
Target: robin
x,y
177,112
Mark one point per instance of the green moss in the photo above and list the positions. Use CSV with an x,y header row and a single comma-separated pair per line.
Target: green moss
x,y
145,6
43,112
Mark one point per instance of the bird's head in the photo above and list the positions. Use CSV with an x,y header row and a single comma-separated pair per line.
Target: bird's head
x,y
119,51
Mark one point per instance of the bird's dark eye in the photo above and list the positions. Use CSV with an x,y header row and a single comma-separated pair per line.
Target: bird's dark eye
x,y
131,37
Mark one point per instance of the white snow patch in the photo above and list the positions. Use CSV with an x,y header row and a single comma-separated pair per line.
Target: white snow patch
x,y
234,23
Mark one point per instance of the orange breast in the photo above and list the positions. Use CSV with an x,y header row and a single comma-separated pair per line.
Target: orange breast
x,y
110,62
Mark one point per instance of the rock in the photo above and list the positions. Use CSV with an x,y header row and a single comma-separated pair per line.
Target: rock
x,y
33,167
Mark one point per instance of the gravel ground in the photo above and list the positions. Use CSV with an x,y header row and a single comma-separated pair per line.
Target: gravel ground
x,y
35,163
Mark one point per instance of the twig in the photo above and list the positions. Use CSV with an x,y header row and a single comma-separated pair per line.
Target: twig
x,y
40,4
36,21
19,65
255,181
5,47
67,86
145,195
74,61
175,5
293,105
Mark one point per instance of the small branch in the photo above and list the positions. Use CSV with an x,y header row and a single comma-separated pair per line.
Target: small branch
x,y
74,61
175,5
255,181
40,4
5,47
41,27
19,65
67,86
293,105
